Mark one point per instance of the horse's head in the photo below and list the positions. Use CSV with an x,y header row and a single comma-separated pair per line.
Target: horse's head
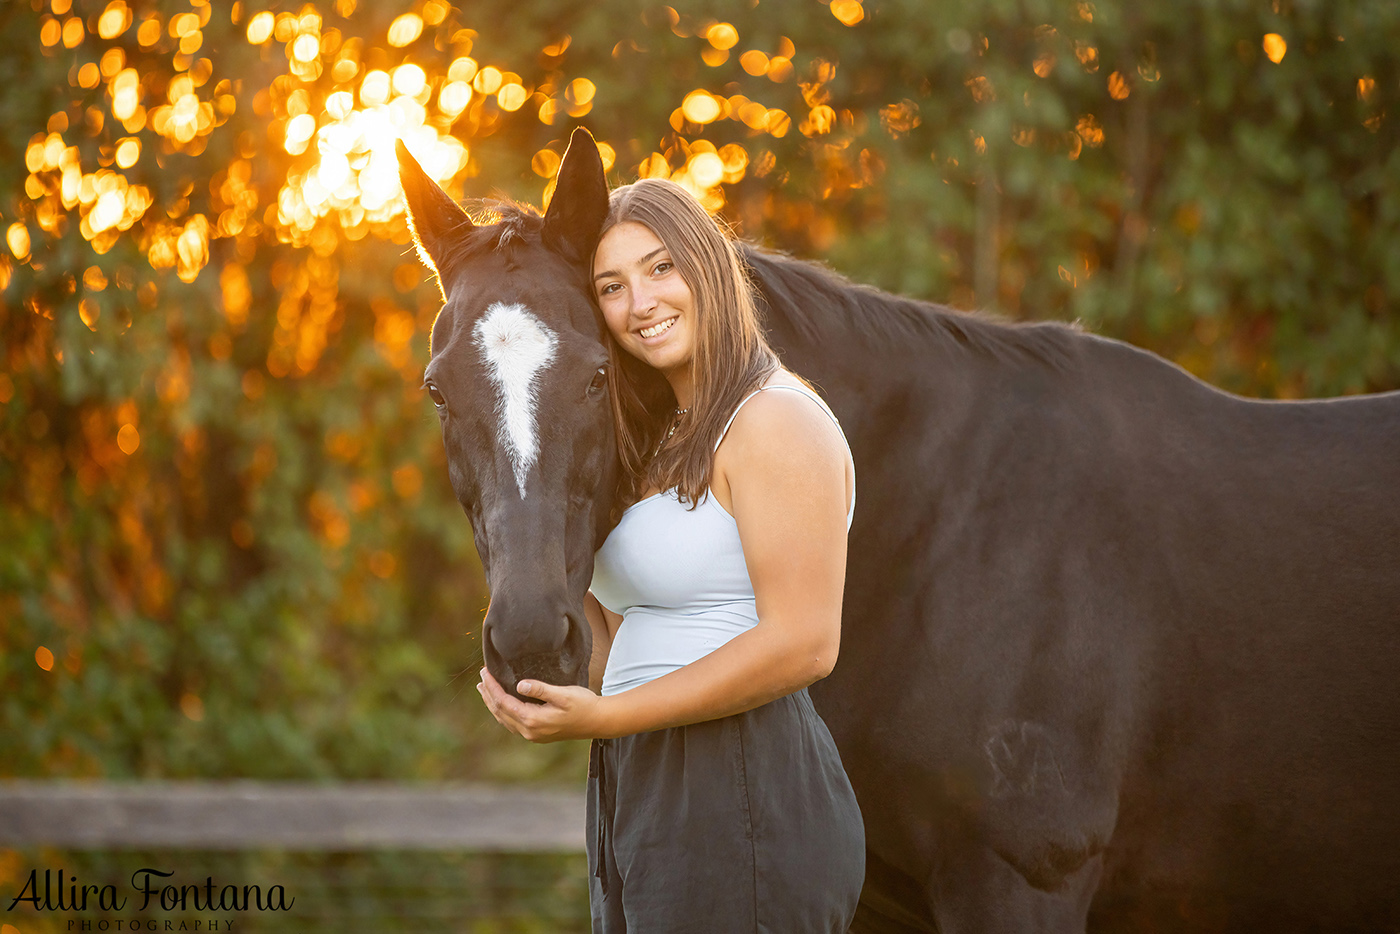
x,y
518,375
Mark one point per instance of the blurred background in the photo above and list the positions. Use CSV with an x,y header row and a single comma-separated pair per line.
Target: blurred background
x,y
228,548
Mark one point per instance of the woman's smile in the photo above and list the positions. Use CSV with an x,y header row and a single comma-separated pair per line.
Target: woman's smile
x,y
657,329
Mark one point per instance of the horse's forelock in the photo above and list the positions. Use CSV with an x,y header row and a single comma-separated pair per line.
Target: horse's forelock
x,y
501,227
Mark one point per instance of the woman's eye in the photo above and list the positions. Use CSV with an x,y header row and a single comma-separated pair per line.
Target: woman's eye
x,y
609,288
663,266
599,381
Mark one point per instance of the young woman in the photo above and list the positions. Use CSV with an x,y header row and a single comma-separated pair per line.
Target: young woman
x,y
717,800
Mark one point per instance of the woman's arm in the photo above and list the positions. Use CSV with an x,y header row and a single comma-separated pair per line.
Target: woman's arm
x,y
787,484
604,623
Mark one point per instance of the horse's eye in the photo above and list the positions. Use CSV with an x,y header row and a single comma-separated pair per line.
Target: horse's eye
x,y
436,396
600,380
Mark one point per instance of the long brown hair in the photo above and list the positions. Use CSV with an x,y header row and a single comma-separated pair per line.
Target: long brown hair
x,y
731,359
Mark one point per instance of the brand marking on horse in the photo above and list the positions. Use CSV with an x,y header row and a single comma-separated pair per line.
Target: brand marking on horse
x,y
516,346
1023,760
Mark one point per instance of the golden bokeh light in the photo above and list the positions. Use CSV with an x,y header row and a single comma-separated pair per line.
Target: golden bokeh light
x,y
183,24
128,439
707,169
113,61
722,36
299,130
409,80
511,97
580,91
488,80
1088,55
73,32
849,12
128,152
454,97
1118,86
435,11
654,166
754,115
374,89
115,20
148,33
260,28
342,178
818,122
754,62
88,312
344,70
17,237
462,69
306,48
43,658
735,160
1275,47
607,154
701,107
339,105
779,68
126,94
405,29
1090,131
545,163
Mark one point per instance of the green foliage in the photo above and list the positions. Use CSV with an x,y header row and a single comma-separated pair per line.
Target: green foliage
x,y
223,501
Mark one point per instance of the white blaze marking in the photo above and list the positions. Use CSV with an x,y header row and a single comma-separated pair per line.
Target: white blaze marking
x,y
516,347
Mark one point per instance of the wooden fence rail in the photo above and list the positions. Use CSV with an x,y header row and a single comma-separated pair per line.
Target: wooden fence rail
x,y
246,815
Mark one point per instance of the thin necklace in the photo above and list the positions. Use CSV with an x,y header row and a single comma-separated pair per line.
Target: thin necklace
x,y
675,423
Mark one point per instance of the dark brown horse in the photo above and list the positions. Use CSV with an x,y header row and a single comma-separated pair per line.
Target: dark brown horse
x,y
1120,650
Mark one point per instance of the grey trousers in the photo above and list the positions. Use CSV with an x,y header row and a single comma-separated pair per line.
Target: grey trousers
x,y
737,825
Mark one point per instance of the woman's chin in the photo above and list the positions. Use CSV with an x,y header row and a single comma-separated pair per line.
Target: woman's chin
x,y
661,357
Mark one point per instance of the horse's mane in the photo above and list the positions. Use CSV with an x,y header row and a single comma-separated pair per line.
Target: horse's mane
x,y
814,301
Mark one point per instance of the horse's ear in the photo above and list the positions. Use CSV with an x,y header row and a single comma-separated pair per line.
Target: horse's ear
x,y
434,217
580,203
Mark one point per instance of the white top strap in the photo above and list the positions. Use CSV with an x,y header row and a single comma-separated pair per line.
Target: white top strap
x,y
736,412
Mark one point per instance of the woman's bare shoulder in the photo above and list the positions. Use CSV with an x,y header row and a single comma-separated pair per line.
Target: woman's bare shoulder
x,y
790,414
780,431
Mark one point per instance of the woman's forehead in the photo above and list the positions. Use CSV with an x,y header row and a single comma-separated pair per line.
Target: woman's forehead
x,y
625,244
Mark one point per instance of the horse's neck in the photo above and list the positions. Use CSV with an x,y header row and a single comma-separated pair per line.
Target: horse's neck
x,y
861,377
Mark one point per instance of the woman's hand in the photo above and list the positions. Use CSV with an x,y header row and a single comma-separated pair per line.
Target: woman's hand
x,y
567,712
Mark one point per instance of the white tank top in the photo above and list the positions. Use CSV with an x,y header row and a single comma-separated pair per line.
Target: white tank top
x,y
678,579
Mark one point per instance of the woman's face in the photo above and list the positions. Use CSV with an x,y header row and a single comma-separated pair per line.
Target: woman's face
x,y
645,302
